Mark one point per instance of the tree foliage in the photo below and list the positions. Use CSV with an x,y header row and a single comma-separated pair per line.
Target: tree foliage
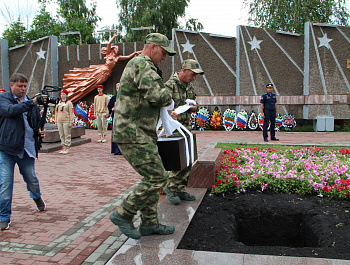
x,y
73,16
44,25
77,16
291,15
15,34
162,14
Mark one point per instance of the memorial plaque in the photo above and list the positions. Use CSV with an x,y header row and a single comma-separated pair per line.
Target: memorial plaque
x,y
173,152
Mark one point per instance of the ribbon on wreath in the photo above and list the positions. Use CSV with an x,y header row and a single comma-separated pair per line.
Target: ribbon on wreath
x,y
170,125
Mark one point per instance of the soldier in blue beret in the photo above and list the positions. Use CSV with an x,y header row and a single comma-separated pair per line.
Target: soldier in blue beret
x,y
268,109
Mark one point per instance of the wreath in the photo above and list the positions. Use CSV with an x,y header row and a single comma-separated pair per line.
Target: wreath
x,y
242,119
229,119
261,122
216,120
289,122
278,123
202,118
253,121
81,114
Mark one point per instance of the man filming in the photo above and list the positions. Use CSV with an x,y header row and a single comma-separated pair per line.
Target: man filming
x,y
19,143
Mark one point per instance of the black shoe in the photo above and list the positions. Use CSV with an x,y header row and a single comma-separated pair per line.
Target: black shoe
x,y
40,204
275,139
265,139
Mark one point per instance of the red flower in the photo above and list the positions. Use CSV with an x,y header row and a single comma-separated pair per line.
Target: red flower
x,y
346,194
226,181
219,181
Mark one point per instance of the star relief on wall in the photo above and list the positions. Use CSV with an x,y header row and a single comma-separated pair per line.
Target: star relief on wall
x,y
41,54
324,41
255,44
187,47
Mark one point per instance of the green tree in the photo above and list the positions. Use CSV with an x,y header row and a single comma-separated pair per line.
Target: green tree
x,y
162,14
291,15
194,25
77,16
44,25
15,34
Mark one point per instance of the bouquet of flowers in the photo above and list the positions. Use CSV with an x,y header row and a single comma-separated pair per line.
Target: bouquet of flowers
x,y
202,119
216,120
253,121
229,119
242,119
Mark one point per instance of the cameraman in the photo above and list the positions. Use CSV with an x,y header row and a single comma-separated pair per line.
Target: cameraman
x,y
19,143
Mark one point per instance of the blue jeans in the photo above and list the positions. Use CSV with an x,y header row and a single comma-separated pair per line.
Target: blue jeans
x,y
26,168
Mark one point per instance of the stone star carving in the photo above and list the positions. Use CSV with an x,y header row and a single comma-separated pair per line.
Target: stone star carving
x,y
255,43
41,54
187,47
324,41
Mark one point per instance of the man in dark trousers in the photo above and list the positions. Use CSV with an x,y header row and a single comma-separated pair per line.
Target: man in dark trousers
x,y
268,109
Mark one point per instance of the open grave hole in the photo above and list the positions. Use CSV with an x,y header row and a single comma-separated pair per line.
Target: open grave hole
x,y
275,228
275,224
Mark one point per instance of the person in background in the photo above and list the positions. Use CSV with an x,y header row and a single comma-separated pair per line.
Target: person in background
x,y
64,119
141,95
111,106
101,113
181,88
19,143
268,109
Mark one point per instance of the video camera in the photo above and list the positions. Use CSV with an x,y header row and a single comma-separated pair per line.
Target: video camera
x,y
49,99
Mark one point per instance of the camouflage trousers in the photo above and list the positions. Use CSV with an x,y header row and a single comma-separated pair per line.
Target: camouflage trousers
x,y
178,180
145,159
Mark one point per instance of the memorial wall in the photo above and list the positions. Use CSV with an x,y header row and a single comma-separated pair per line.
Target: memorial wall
x,y
310,72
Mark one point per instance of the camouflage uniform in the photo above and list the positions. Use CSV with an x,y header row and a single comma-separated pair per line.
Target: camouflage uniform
x,y
178,180
141,95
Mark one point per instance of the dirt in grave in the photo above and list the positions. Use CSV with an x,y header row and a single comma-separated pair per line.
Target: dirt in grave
x,y
271,224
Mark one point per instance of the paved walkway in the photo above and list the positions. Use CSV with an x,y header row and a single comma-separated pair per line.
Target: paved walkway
x,y
81,190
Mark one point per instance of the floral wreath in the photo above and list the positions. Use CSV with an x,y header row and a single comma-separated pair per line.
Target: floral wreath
x,y
261,122
242,119
229,119
193,121
91,117
216,119
202,118
81,114
278,123
288,122
253,121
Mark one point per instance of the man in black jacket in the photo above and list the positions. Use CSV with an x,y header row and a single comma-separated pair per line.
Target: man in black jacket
x,y
19,143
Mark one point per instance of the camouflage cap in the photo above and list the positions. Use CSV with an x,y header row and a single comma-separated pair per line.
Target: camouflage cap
x,y
192,65
160,40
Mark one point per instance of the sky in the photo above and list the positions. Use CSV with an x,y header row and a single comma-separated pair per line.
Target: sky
x,y
218,16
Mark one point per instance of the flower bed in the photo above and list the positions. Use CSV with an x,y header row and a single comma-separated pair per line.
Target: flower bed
x,y
313,171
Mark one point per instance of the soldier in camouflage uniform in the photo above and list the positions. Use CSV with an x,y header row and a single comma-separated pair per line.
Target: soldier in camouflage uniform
x,y
141,95
181,88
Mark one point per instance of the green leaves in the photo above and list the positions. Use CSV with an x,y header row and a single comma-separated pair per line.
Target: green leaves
x,y
291,15
162,14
